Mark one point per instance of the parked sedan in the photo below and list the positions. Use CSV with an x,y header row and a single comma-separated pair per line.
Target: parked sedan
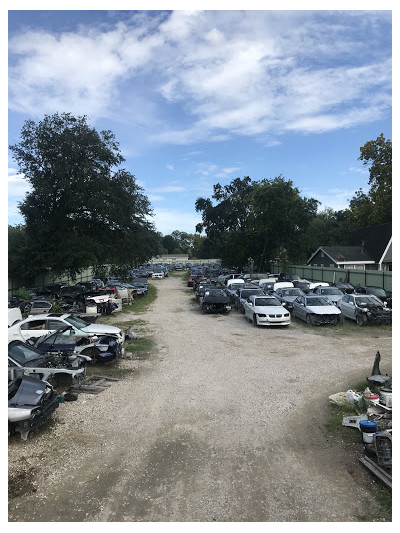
x,y
288,295
243,294
365,308
266,311
39,325
333,294
380,293
346,288
316,310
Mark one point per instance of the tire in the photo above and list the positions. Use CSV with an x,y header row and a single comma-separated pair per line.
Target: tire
x,y
341,320
309,320
361,320
254,320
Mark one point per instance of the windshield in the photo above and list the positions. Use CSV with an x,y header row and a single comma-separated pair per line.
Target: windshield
x,y
266,302
292,292
23,354
377,292
311,302
331,291
367,301
76,322
248,292
216,292
63,336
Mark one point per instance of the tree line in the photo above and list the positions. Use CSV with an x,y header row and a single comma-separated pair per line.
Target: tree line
x,y
84,209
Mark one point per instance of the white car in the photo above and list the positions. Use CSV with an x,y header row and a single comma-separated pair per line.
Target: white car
x,y
39,325
266,311
158,275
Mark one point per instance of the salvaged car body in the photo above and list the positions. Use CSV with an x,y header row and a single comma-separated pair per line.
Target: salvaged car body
x,y
243,294
31,402
201,290
365,308
380,293
316,310
39,325
57,367
287,295
265,310
346,288
215,301
102,348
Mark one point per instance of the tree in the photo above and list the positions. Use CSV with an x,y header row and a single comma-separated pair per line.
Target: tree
x,y
378,154
257,220
82,209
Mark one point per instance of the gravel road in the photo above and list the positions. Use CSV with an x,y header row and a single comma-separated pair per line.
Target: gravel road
x,y
222,422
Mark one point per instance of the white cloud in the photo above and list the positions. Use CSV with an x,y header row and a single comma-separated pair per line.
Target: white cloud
x,y
168,188
168,220
227,72
169,167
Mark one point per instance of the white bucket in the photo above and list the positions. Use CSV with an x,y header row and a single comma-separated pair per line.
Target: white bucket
x,y
386,398
368,438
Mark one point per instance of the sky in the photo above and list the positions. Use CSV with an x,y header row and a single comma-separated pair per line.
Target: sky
x,y
204,96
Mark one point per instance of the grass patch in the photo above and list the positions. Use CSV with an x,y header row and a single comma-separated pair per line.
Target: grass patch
x,y
113,371
139,345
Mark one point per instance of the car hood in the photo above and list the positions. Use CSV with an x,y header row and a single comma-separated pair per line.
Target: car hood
x,y
101,329
324,309
270,309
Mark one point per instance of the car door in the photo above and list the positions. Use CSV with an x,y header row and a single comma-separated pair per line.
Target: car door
x,y
298,307
348,307
34,328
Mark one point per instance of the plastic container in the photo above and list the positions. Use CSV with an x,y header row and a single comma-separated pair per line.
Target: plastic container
x,y
368,429
368,426
386,397
371,396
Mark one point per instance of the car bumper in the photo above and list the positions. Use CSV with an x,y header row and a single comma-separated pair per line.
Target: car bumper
x,y
273,321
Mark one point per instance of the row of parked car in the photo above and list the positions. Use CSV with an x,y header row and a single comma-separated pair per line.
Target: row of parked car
x,y
89,297
272,300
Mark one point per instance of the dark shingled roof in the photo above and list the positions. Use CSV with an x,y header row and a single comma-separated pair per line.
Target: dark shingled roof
x,y
346,253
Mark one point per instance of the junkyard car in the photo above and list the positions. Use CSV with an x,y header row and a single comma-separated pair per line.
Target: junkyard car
x,y
31,402
242,295
288,295
102,348
266,311
380,293
59,367
316,310
346,288
39,307
40,325
365,308
215,300
333,294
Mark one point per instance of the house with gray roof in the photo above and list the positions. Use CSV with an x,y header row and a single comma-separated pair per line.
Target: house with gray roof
x,y
370,248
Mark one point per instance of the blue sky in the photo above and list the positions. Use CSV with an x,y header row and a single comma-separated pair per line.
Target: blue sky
x,y
202,97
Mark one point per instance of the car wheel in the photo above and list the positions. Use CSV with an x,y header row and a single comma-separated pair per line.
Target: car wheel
x,y
254,320
242,310
309,320
341,319
361,320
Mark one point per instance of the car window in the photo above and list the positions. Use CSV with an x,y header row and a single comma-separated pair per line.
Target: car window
x,y
33,324
55,324
77,322
23,353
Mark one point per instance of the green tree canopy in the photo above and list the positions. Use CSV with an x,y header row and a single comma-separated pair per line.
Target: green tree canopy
x,y
82,209
256,219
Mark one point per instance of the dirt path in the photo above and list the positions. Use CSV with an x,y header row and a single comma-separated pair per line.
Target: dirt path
x,y
224,422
